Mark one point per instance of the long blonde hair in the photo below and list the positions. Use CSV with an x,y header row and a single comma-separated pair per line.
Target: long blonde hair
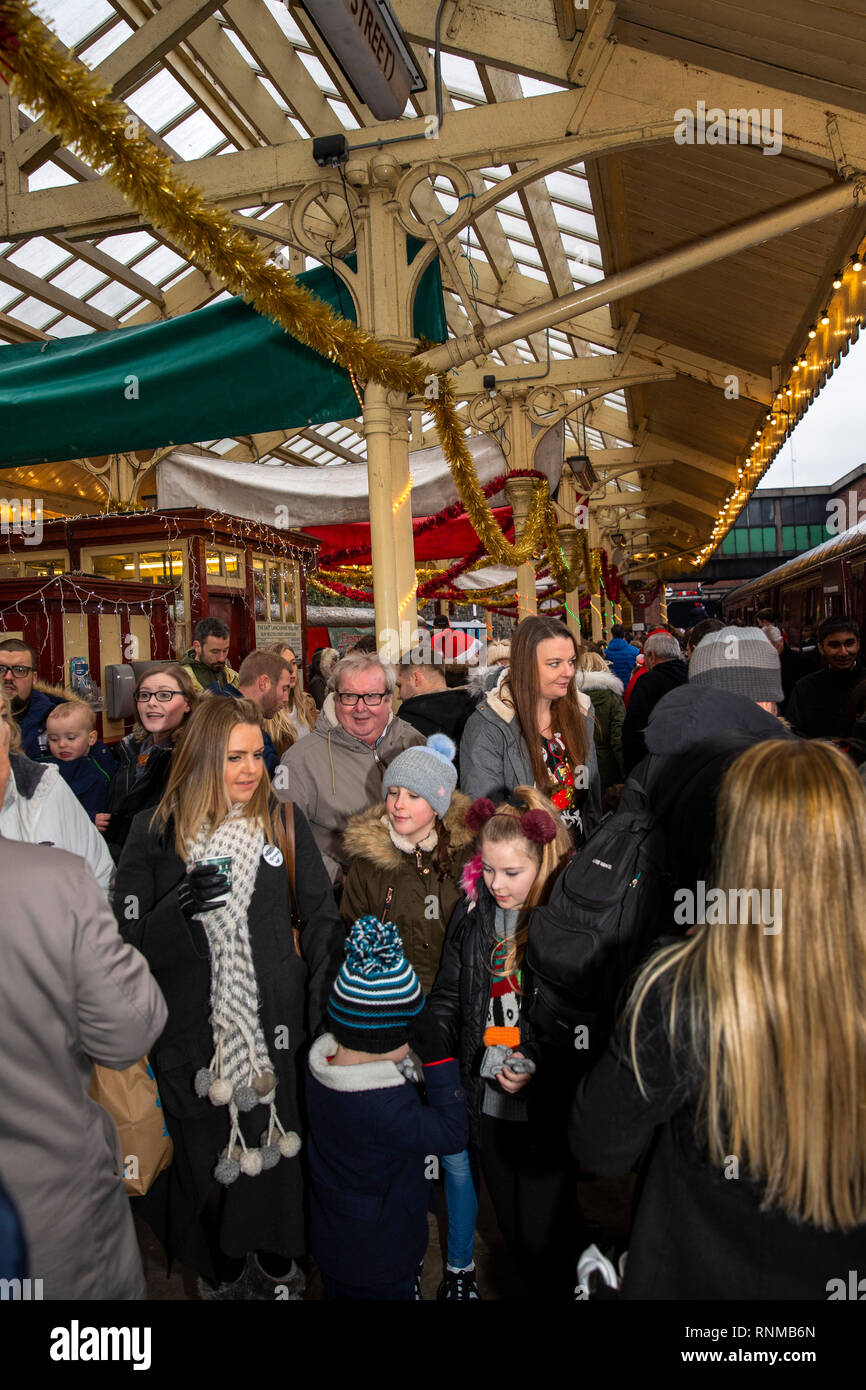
x,y
280,726
14,731
775,1016
504,827
195,794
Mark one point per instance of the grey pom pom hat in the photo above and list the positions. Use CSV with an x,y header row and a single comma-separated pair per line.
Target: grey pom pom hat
x,y
427,770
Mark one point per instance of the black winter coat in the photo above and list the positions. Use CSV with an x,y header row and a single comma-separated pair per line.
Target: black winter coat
x,y
698,1233
266,1212
689,716
651,688
818,707
440,712
459,1001
127,795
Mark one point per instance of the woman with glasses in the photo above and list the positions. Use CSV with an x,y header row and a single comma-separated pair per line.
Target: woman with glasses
x,y
163,699
203,891
297,719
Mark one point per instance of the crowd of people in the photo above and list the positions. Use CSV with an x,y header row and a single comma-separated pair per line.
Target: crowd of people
x,y
328,936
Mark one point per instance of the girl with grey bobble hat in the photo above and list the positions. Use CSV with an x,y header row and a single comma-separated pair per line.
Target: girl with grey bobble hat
x,y
406,857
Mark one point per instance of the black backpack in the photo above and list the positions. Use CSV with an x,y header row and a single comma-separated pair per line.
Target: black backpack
x,y
607,907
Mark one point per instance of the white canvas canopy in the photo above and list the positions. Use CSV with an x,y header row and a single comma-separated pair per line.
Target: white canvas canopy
x,y
292,498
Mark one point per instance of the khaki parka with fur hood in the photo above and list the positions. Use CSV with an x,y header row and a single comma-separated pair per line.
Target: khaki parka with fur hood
x,y
422,902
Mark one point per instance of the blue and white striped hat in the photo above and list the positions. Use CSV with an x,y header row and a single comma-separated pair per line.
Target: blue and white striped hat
x,y
376,992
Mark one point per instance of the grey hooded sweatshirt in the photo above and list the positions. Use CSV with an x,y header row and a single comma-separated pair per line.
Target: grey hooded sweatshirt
x,y
331,776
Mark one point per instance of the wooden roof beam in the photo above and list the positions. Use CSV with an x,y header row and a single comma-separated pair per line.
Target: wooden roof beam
x,y
657,449
331,445
17,331
115,270
58,299
207,91
266,120
254,447
280,63
522,292
124,68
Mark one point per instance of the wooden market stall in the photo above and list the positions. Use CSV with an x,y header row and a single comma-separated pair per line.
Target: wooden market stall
x,y
132,585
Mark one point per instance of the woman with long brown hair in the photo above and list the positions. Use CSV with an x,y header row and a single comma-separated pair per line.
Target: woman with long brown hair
x,y
740,1068
162,701
534,728
203,891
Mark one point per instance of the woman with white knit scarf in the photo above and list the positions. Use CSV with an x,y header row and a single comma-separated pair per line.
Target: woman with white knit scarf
x,y
241,1000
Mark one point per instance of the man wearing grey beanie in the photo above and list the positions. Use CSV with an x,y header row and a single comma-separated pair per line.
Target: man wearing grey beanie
x,y
742,660
693,735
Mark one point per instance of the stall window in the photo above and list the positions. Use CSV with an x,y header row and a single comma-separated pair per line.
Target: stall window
x,y
160,567
274,589
43,568
223,566
260,590
115,566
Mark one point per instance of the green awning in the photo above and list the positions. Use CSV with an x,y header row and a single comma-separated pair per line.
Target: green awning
x,y
211,374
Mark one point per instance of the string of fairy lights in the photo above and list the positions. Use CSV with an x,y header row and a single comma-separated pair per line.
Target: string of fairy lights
x,y
837,326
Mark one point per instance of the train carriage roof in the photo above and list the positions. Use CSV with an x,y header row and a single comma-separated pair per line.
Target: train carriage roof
x,y
846,543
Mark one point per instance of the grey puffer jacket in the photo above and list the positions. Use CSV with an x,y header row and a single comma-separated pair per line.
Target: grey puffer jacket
x,y
494,758
331,775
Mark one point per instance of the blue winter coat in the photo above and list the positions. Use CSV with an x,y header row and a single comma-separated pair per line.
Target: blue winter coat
x,y
89,777
369,1136
622,657
34,740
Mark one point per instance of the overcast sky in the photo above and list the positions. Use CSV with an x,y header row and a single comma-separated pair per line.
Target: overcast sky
x,y
831,440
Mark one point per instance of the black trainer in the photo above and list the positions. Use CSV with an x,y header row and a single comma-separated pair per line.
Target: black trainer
x,y
458,1285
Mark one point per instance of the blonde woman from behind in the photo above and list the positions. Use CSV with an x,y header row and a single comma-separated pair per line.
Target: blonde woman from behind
x,y
743,1052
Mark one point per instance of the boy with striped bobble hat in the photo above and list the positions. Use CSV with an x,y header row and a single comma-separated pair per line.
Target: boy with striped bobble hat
x,y
369,1133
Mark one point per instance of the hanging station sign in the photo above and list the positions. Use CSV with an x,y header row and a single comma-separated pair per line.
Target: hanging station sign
x,y
367,42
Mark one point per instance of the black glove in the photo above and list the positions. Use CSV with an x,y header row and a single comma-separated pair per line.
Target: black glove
x,y
426,1038
199,890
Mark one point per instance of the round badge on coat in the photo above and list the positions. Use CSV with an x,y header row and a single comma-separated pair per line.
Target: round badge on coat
x,y
272,855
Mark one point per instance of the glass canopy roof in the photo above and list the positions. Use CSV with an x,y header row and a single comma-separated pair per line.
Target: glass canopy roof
x,y
51,287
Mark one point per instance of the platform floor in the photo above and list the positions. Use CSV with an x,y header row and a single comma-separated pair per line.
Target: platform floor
x,y
605,1200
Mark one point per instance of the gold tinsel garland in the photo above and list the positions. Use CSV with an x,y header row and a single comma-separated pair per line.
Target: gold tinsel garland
x,y
80,112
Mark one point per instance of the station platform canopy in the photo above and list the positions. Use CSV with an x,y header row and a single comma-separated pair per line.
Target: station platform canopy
x,y
689,179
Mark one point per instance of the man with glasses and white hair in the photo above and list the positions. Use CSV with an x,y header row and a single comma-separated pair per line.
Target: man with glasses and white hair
x,y
30,706
337,771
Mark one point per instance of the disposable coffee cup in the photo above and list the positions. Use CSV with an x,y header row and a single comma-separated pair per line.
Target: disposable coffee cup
x,y
223,865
